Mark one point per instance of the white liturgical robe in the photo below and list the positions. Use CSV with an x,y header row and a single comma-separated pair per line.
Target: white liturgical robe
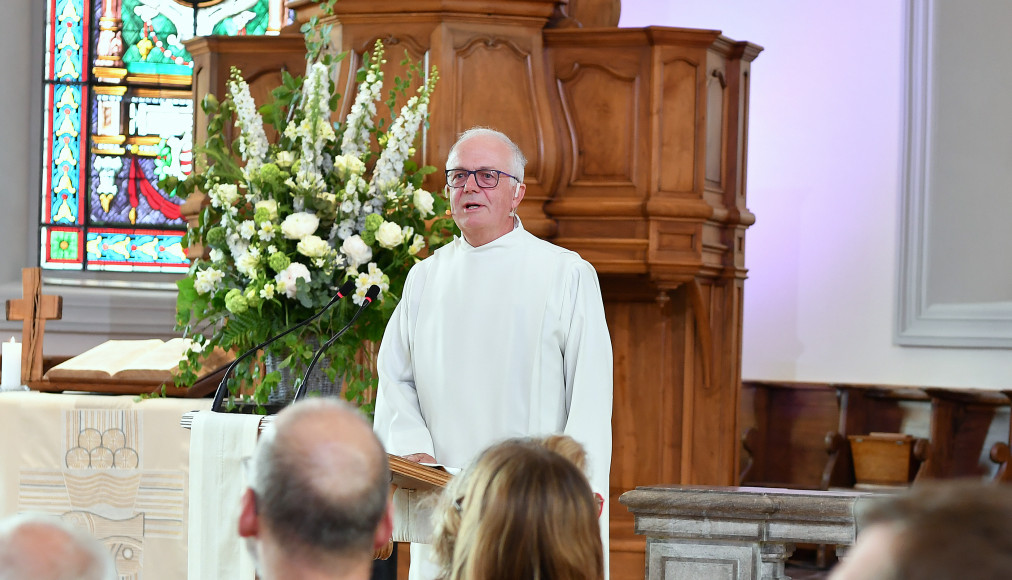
x,y
502,340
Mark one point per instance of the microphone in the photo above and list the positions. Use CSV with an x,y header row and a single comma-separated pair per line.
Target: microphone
x,y
219,395
370,296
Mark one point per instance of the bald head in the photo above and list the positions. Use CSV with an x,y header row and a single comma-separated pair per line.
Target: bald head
x,y
321,479
510,150
46,548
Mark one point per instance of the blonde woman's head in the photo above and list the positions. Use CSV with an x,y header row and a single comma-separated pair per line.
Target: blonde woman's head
x,y
523,510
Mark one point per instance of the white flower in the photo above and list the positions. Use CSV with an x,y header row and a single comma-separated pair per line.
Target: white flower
x,y
348,165
247,228
389,235
267,291
236,245
372,276
207,280
388,169
247,263
299,225
285,159
266,232
313,246
270,205
287,279
416,245
224,195
423,202
356,134
358,252
252,139
216,255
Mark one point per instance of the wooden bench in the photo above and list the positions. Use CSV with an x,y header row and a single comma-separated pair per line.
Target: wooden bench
x,y
795,434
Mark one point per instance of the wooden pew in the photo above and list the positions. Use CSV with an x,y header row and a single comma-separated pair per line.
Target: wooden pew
x,y
795,434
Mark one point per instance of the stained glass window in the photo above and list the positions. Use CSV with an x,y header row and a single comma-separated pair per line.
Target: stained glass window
x,y
118,116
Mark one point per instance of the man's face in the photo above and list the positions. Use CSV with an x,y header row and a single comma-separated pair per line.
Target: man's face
x,y
482,213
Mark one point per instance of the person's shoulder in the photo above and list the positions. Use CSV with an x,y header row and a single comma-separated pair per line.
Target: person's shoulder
x,y
562,257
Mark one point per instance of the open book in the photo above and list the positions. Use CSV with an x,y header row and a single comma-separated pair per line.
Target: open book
x,y
141,362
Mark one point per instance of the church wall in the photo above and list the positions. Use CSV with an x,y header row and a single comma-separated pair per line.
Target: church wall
x,y
19,140
824,180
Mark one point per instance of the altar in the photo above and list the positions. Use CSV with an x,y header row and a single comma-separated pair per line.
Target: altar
x,y
115,465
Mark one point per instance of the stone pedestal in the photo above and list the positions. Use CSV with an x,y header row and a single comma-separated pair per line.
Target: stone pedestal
x,y
735,533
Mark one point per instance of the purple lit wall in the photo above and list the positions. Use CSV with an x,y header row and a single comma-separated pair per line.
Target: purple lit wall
x,y
824,180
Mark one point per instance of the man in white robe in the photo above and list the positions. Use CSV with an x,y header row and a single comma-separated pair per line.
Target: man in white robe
x,y
498,334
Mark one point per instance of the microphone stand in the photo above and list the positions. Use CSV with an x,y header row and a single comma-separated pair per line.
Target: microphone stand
x,y
219,394
370,296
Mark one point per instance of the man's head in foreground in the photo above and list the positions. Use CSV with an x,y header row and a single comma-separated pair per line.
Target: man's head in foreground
x,y
37,547
317,503
937,530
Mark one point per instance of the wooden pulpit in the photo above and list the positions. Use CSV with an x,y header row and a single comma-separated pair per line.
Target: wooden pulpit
x,y
637,146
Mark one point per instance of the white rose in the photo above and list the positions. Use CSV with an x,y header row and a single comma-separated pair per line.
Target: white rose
x,y
287,279
423,202
270,205
358,252
389,235
299,225
285,158
228,193
312,246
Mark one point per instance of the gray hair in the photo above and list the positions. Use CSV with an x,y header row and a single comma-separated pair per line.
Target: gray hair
x,y
311,506
518,162
70,553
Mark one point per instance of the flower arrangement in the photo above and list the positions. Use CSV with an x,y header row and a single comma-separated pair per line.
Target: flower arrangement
x,y
288,222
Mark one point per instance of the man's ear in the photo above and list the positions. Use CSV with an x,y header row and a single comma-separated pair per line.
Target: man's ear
x,y
249,521
385,529
518,193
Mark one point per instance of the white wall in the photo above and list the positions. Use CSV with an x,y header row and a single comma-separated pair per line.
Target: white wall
x,y
17,37
824,178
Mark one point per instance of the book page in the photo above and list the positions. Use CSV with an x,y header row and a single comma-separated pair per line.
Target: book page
x,y
102,361
155,364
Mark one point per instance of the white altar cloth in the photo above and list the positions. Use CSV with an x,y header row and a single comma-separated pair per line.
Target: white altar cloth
x,y
111,464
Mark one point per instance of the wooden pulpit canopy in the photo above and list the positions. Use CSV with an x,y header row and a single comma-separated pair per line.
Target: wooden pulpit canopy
x,y
636,140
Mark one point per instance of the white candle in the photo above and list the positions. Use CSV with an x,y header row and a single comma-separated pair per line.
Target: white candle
x,y
10,365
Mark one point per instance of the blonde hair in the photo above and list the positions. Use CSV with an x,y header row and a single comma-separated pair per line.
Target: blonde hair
x,y
523,510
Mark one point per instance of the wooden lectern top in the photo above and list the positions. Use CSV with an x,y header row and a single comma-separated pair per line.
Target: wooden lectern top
x,y
411,475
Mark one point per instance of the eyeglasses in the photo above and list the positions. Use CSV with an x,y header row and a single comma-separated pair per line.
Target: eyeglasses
x,y
485,178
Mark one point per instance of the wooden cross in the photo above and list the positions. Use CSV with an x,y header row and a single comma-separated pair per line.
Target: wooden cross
x,y
34,309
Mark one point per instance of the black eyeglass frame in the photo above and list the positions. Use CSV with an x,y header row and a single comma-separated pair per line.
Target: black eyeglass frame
x,y
475,172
